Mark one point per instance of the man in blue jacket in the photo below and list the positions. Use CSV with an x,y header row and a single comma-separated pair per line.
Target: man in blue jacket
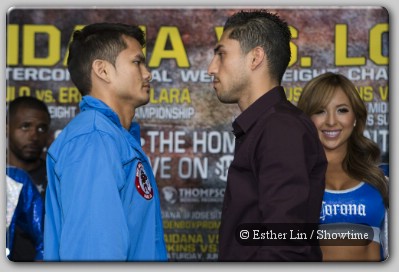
x,y
102,202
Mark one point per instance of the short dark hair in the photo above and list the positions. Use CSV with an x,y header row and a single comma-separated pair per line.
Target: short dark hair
x,y
264,29
97,41
25,102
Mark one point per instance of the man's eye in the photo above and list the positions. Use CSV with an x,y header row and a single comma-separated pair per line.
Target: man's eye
x,y
25,126
42,129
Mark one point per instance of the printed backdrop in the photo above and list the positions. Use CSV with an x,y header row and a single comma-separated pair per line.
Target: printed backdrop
x,y
186,131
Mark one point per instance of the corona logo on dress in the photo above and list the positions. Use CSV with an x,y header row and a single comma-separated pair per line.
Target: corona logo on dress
x,y
143,185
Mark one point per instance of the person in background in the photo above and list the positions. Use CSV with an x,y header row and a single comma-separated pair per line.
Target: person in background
x,y
28,125
277,175
24,210
354,182
102,202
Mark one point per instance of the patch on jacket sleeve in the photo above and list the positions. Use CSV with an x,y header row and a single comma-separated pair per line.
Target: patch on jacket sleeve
x,y
142,182
14,189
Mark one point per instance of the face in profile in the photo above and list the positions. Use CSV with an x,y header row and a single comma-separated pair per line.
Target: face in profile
x,y
28,134
131,76
228,68
335,122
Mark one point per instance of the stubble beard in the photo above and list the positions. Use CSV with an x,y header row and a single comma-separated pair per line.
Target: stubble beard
x,y
232,94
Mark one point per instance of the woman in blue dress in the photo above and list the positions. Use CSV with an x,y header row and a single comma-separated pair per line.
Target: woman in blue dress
x,y
355,202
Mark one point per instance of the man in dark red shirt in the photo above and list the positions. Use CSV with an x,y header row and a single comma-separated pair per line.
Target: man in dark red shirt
x,y
276,181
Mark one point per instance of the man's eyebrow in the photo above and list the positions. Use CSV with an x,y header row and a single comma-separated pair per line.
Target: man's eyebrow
x,y
141,57
217,48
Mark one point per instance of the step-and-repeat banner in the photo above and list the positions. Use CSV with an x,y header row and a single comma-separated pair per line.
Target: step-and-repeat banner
x,y
186,131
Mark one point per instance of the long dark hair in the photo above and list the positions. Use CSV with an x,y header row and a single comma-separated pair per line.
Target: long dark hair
x,y
363,155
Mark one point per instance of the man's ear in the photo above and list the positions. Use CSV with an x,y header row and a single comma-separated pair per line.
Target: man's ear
x,y
258,57
101,69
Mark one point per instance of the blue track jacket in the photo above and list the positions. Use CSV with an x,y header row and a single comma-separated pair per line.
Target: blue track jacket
x,y
102,202
24,209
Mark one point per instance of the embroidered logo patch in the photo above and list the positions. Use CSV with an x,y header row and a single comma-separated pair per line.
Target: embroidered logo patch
x,y
142,183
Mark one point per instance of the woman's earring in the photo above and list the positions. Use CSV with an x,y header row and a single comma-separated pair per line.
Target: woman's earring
x,y
354,124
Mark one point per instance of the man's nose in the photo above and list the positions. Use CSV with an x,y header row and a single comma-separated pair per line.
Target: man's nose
x,y
212,68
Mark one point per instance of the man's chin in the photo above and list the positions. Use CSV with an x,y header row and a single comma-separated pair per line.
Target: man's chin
x,y
144,102
225,100
31,157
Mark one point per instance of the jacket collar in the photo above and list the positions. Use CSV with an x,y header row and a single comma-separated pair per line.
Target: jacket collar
x,y
91,103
